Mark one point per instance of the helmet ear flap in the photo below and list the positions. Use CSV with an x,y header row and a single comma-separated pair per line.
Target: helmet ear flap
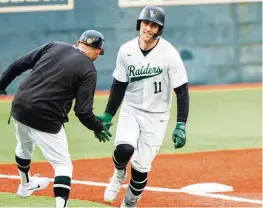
x,y
159,33
138,25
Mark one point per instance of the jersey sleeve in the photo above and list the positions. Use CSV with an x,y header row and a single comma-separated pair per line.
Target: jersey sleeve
x,y
176,70
84,100
120,72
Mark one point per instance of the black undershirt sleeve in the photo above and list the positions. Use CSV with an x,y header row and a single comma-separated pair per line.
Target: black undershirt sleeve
x,y
182,94
117,93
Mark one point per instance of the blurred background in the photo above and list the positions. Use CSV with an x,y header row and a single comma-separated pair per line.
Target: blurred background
x,y
220,43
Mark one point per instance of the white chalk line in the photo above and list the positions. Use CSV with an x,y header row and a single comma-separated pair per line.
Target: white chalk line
x,y
160,189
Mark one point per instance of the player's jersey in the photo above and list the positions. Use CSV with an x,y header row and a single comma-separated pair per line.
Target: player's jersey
x,y
152,77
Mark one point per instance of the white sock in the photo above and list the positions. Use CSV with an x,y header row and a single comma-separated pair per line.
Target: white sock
x,y
119,173
24,177
60,202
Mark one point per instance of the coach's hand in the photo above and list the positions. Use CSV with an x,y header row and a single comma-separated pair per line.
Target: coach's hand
x,y
179,135
105,134
3,92
106,117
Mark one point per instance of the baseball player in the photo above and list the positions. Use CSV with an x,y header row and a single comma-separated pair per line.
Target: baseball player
x,y
60,73
148,70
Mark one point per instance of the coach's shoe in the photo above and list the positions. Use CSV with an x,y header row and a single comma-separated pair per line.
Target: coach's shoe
x,y
130,200
35,184
115,184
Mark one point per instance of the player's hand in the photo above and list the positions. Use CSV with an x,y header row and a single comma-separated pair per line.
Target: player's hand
x,y
3,92
179,135
106,117
105,134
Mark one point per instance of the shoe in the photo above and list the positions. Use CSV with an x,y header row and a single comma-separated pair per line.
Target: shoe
x,y
36,183
130,200
114,186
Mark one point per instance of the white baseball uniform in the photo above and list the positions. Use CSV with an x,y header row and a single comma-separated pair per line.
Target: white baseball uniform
x,y
145,111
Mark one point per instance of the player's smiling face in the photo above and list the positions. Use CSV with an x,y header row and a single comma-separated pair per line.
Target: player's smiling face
x,y
147,30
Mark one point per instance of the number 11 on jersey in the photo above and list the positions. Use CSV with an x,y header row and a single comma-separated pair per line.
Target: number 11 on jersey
x,y
157,87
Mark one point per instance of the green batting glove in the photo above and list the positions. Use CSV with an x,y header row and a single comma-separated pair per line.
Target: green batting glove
x,y
106,127
105,134
179,135
106,117
102,136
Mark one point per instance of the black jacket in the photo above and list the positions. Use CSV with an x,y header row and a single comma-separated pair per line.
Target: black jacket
x,y
60,73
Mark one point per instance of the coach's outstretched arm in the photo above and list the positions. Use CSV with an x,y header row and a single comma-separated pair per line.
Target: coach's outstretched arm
x,y
179,134
19,66
84,107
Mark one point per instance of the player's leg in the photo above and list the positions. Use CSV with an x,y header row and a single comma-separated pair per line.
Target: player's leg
x,y
55,149
119,175
23,153
151,137
24,150
122,155
126,138
135,188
